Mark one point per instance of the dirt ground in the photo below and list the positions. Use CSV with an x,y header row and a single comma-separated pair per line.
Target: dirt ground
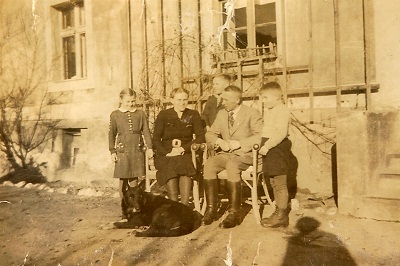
x,y
46,227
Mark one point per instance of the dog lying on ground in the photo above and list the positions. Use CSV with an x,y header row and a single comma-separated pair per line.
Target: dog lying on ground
x,y
163,216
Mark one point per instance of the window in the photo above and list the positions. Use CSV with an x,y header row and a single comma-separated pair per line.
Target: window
x,y
73,39
265,23
251,26
71,142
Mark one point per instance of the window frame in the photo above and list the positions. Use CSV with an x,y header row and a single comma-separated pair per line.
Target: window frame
x,y
77,30
251,25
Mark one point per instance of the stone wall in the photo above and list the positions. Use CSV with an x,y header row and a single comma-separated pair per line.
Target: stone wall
x,y
368,179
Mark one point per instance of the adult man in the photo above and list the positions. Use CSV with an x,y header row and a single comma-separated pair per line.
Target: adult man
x,y
235,130
214,103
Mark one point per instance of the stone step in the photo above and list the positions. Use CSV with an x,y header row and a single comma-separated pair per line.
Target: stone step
x,y
388,183
392,160
390,172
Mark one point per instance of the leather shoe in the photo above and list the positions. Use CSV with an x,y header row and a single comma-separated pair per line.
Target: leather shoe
x,y
230,221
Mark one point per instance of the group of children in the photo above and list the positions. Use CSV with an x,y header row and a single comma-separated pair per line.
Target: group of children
x,y
130,141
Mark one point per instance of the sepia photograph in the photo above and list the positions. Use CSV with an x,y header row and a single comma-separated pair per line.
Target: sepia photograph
x,y
199,132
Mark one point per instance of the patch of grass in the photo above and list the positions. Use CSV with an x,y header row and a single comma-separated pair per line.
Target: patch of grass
x,y
29,175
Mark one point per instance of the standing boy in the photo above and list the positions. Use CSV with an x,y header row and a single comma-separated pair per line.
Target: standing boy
x,y
214,102
276,150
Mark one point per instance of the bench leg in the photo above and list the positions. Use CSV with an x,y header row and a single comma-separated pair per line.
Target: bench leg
x,y
148,185
254,203
266,192
196,196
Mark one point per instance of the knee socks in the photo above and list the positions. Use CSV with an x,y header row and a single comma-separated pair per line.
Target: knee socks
x,y
172,189
185,186
279,185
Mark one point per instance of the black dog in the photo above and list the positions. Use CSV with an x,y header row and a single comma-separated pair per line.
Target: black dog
x,y
163,216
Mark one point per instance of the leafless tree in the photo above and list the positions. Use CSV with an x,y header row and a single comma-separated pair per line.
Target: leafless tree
x,y
24,124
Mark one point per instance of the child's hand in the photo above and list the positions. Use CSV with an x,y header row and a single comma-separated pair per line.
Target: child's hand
x,y
149,153
176,152
264,150
114,158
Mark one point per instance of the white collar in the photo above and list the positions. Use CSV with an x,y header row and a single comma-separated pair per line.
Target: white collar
x,y
126,110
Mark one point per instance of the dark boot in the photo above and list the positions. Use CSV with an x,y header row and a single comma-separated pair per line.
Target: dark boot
x,y
233,217
281,215
280,218
211,189
172,189
185,187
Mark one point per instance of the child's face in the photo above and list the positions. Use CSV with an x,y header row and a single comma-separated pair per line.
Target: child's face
x,y
271,98
128,102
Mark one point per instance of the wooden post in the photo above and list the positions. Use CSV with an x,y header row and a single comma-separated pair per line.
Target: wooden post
x,y
337,54
367,51
261,70
284,64
163,71
239,74
200,63
130,44
310,63
145,46
181,43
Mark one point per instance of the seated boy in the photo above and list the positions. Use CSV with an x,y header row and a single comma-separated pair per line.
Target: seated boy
x,y
276,151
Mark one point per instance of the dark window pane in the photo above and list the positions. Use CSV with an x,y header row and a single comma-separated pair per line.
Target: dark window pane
x,y
81,12
240,17
241,39
69,57
265,35
68,18
83,55
265,13
225,40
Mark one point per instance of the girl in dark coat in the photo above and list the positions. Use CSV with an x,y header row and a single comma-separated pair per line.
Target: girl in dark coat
x,y
175,130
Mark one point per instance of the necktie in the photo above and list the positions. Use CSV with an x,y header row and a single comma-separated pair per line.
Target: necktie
x,y
231,120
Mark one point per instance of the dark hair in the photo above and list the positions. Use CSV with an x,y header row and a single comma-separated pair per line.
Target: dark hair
x,y
128,92
236,90
178,90
271,86
225,76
